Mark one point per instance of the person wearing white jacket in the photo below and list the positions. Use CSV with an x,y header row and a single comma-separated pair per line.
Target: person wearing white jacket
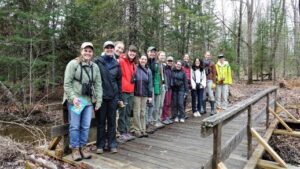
x,y
198,84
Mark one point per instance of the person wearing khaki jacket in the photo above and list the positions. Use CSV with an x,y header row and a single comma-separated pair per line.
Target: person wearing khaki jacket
x,y
82,90
224,79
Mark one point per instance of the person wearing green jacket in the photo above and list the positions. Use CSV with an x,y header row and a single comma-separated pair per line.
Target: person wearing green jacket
x,y
82,91
224,79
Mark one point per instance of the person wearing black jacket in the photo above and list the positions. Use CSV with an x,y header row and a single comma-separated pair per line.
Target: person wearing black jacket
x,y
179,92
111,84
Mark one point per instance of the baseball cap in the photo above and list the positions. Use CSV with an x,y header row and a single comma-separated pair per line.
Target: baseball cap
x,y
108,43
86,44
221,56
170,58
151,48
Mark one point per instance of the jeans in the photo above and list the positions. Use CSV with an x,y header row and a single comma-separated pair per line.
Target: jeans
x,y
149,111
167,104
197,100
139,108
222,91
106,113
159,101
177,104
125,113
79,126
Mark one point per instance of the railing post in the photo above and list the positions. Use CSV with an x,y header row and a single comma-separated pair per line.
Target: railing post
x,y
275,105
217,145
267,111
249,135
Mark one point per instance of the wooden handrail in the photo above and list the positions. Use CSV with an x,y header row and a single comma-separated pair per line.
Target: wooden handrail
x,y
231,113
213,125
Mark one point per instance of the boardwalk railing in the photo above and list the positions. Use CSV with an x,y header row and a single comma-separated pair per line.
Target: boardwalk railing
x,y
213,125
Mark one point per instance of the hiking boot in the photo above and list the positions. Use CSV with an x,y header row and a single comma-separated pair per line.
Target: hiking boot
x,y
150,129
113,150
99,151
76,154
129,137
138,134
85,154
181,120
144,134
123,138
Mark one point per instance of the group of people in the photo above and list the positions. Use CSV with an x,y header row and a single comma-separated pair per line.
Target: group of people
x,y
132,96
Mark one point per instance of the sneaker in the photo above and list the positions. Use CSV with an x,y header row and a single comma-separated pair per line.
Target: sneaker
x,y
123,138
159,125
181,120
150,129
186,116
170,121
99,151
166,122
113,150
198,114
176,120
195,114
138,134
130,137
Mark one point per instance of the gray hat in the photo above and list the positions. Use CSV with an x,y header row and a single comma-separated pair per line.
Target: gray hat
x,y
151,48
86,44
170,58
108,43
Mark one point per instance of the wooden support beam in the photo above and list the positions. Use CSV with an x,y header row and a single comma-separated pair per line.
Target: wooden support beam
x,y
54,142
258,152
287,112
268,148
269,165
217,146
280,120
267,111
249,136
285,132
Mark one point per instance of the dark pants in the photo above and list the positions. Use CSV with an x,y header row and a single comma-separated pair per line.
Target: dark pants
x,y
125,113
197,99
107,112
177,104
167,104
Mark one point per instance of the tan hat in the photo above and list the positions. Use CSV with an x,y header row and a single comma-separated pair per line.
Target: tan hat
x,y
108,43
170,58
87,44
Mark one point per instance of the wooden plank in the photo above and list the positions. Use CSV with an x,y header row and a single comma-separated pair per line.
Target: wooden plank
x,y
269,165
280,120
249,137
285,132
268,148
217,145
238,107
54,142
287,112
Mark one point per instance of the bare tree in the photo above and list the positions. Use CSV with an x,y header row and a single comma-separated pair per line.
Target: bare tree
x,y
238,49
249,38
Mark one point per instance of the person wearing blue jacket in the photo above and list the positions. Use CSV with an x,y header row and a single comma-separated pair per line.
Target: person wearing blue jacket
x,y
143,86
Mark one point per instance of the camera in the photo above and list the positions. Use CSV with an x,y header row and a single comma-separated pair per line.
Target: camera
x,y
87,89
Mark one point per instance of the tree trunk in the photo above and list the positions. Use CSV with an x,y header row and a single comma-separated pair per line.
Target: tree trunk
x,y
238,49
133,22
249,39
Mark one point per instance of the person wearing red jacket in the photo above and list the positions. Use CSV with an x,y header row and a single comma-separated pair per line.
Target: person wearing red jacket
x,y
128,68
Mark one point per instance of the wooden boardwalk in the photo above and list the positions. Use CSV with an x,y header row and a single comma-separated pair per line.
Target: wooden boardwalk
x,y
177,146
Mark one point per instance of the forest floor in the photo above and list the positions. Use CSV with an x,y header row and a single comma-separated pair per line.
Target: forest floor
x,y
13,153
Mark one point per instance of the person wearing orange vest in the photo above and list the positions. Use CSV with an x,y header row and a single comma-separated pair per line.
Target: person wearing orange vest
x,y
224,79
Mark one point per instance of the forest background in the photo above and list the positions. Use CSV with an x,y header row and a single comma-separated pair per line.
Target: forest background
x,y
39,37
